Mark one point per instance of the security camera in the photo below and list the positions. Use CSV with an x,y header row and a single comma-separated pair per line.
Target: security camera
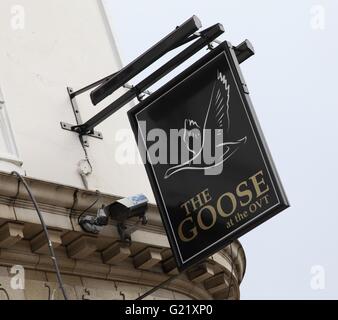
x,y
127,208
120,211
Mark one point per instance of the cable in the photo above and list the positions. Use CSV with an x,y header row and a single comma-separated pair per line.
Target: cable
x,y
98,193
162,284
84,174
5,292
51,249
86,153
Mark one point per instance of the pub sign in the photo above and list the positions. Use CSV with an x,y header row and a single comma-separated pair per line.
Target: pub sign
x,y
206,158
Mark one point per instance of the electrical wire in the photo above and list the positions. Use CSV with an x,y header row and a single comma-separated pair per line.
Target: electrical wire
x,y
161,285
86,153
5,292
164,283
50,246
98,193
85,174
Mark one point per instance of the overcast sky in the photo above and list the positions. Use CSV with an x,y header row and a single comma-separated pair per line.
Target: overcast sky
x,y
292,80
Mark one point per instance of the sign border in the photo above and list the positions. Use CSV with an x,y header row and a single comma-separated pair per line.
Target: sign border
x,y
226,49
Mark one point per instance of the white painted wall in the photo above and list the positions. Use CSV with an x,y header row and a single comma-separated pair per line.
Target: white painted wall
x,y
63,43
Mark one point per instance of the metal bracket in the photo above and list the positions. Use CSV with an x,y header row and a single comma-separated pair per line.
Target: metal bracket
x,y
72,127
125,232
240,53
106,86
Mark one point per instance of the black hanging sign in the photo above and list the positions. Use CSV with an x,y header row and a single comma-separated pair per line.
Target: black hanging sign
x,y
206,157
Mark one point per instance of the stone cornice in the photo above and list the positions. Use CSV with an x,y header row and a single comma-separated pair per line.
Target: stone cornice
x,y
102,256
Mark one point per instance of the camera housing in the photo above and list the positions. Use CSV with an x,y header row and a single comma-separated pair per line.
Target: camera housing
x,y
126,208
120,211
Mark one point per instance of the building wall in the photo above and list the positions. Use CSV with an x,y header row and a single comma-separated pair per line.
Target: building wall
x,y
41,285
62,43
45,47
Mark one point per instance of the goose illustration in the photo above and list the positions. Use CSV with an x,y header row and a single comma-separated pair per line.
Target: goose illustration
x,y
217,118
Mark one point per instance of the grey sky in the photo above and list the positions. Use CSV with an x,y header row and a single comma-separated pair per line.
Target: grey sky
x,y
292,81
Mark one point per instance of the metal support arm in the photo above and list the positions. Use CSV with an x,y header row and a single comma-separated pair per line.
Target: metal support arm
x,y
206,38
145,60
182,35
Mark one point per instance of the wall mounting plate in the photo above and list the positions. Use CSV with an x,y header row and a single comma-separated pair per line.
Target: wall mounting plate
x,y
72,127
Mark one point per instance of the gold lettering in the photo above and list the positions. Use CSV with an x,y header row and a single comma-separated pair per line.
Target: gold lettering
x,y
233,202
206,196
186,207
258,183
211,211
244,193
193,230
197,202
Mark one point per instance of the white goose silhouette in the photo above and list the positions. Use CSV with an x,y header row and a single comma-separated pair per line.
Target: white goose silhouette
x,y
217,118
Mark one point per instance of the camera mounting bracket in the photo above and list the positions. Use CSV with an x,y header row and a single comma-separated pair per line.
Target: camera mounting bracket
x,y
125,232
